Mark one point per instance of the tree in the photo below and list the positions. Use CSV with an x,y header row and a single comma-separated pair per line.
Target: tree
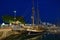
x,y
9,19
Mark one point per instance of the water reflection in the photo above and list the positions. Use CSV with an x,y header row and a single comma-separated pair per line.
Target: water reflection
x,y
43,36
50,36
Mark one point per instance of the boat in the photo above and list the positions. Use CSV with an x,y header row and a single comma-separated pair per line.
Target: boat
x,y
34,28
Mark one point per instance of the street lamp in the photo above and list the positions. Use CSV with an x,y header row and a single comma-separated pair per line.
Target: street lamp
x,y
14,15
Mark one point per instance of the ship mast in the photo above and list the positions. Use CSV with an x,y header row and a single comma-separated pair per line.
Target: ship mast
x,y
37,14
33,13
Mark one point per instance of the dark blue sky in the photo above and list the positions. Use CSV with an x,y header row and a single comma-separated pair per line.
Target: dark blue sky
x,y
49,10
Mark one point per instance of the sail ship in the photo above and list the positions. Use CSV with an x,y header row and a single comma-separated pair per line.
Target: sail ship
x,y
35,28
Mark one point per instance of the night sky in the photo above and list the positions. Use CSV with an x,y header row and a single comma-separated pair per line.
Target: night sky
x,y
49,10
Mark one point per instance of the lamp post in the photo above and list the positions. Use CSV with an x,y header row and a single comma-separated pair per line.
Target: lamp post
x,y
14,15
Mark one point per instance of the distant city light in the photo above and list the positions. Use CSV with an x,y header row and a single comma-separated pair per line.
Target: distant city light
x,y
44,23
